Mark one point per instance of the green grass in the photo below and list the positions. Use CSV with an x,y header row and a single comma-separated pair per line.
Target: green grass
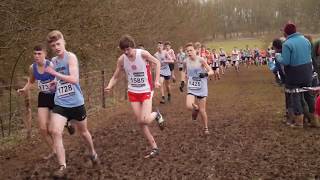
x,y
228,45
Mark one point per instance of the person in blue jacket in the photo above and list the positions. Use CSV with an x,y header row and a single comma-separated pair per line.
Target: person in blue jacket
x,y
296,59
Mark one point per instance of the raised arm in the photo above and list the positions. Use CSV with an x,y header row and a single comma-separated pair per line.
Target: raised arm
x,y
73,78
207,67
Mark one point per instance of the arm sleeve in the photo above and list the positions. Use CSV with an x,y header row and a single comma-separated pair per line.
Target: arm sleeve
x,y
286,55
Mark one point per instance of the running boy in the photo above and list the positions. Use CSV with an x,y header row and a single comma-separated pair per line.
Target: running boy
x,y
197,72
135,63
165,73
68,100
46,87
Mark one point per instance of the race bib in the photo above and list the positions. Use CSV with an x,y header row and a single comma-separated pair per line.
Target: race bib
x,y
180,65
44,87
64,89
194,83
137,79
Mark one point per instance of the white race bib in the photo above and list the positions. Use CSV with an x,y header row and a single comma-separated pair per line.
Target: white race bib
x,y
44,87
137,79
194,83
64,89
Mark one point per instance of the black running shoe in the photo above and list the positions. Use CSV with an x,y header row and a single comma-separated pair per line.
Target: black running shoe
x,y
70,128
169,98
195,113
163,100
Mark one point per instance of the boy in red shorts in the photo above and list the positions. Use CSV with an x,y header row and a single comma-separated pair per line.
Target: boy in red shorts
x,y
135,63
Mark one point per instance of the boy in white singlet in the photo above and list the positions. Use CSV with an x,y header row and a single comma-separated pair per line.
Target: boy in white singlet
x,y
135,63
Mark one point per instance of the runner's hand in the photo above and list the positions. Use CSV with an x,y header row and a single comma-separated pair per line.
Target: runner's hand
x,y
21,91
52,86
50,70
203,75
157,85
107,89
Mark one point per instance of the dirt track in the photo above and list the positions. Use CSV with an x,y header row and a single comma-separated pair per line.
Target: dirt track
x,y
247,140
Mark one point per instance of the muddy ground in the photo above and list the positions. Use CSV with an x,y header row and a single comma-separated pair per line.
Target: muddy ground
x,y
247,140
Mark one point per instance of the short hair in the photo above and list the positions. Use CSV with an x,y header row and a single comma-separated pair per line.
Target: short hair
x,y
40,47
277,43
160,42
188,45
197,44
167,43
140,46
126,41
290,28
53,36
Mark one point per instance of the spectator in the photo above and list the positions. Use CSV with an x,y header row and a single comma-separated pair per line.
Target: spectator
x,y
296,59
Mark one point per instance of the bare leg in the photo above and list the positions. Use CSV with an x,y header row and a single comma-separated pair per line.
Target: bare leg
x,y
162,88
167,84
56,129
43,122
144,117
203,113
218,74
190,103
82,128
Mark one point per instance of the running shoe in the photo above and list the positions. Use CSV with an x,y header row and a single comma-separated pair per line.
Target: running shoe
x,y
70,128
195,113
94,159
153,153
169,98
181,86
181,89
163,100
160,120
206,131
61,172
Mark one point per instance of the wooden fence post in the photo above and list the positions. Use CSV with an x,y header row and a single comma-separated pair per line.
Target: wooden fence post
x,y
102,90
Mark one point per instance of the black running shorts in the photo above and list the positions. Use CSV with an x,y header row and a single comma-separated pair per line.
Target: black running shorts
x,y
74,113
46,100
165,77
198,97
